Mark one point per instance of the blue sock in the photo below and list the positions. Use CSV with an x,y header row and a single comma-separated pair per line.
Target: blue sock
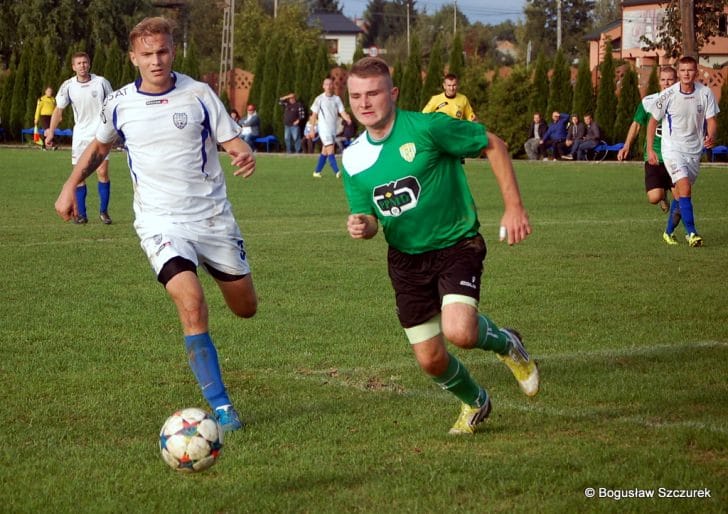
x,y
332,162
81,200
320,164
686,211
202,357
673,218
104,195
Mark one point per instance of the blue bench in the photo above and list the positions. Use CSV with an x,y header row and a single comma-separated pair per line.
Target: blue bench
x,y
41,131
718,150
267,141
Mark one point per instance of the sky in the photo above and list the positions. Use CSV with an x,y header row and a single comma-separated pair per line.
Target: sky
x,y
489,12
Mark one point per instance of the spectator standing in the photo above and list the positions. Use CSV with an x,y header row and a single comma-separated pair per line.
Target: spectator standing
x,y
294,113
535,135
657,179
575,133
326,109
44,111
687,110
403,173
592,138
454,104
251,126
86,93
554,136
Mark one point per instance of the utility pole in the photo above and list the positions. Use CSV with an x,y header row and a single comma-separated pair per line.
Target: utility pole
x,y
455,17
558,24
226,54
687,24
408,28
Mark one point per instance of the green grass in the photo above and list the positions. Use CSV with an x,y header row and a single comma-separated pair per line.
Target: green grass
x,y
631,336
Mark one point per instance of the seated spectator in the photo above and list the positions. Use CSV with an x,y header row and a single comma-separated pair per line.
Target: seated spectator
x,y
554,136
310,137
576,132
535,135
235,116
251,126
591,139
346,134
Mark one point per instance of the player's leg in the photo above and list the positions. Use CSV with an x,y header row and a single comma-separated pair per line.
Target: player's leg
x,y
683,171
331,158
81,193
104,187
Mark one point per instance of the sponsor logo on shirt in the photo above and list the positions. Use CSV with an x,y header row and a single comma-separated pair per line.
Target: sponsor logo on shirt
x,y
161,101
395,198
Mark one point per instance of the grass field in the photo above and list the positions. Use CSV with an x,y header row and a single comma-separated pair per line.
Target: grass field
x,y
631,336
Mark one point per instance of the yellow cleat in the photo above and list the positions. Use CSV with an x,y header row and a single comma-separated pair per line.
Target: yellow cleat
x,y
520,364
694,240
669,238
469,418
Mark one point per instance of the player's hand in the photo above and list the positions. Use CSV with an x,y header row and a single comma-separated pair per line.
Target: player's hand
x,y
243,162
362,226
622,154
652,157
66,203
708,142
49,138
514,226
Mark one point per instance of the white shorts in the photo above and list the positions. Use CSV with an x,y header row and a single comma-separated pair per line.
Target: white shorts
x,y
78,146
682,165
328,137
216,242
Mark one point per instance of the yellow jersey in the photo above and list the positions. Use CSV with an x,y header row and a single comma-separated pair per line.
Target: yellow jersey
x,y
46,106
458,107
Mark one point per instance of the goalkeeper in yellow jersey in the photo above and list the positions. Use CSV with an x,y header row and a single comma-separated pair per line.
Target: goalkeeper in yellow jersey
x,y
450,102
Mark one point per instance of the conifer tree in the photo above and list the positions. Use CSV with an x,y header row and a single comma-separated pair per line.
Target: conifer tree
x,y
412,81
268,99
433,80
304,76
583,91
256,88
508,110
98,63
397,76
606,96
457,61
358,52
286,83
51,67
653,83
34,85
722,118
629,98
112,71
539,90
560,90
17,119
321,70
6,99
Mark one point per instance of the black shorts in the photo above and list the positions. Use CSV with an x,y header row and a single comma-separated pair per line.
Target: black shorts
x,y
657,177
420,281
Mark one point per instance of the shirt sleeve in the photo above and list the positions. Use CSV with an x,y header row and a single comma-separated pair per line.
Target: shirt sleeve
x,y
458,137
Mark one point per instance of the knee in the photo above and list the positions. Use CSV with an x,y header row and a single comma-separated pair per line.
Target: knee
x,y
434,364
246,308
461,335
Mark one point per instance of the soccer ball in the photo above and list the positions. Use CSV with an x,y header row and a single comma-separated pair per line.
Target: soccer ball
x,y
190,440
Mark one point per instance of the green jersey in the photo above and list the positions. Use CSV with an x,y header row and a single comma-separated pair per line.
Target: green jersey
x,y
413,180
642,116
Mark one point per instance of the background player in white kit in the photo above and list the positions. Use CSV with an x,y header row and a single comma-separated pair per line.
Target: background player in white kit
x,y
326,109
171,125
86,93
685,109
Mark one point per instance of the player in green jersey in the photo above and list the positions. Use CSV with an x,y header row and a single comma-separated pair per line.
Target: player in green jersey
x,y
404,172
657,179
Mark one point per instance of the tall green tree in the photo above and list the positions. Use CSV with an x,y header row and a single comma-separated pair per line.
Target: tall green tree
x,y
412,81
508,109
433,80
606,95
629,99
114,64
560,89
457,59
34,84
18,119
540,27
653,82
722,118
583,90
268,98
538,97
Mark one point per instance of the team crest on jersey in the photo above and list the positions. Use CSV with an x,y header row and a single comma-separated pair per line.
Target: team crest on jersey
x,y
180,120
408,151
395,198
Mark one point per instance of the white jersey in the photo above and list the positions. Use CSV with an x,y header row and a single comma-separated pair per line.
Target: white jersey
x,y
327,108
171,140
683,117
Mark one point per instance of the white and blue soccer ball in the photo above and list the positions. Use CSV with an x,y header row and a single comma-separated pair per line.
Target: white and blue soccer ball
x,y
190,440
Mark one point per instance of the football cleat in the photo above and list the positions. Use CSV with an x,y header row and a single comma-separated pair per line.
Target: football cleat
x,y
228,418
694,240
80,220
105,218
669,238
316,174
664,205
337,174
520,364
470,418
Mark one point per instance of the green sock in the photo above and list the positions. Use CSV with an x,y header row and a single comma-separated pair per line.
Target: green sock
x,y
490,337
458,381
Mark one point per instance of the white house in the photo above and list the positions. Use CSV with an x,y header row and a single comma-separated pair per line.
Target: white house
x,y
340,34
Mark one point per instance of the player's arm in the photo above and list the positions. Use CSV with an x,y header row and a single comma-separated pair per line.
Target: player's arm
x,y
515,218
89,161
711,134
651,155
241,156
634,129
362,226
56,119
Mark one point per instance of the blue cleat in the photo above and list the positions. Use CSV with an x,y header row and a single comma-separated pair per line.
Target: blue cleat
x,y
228,418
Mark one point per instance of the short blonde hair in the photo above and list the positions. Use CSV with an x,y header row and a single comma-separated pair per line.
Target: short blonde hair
x,y
149,27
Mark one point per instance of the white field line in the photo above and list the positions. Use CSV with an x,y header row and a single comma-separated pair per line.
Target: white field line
x,y
338,378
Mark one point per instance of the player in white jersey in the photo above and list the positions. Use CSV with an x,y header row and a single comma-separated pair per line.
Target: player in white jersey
x,y
325,111
171,126
85,93
686,109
